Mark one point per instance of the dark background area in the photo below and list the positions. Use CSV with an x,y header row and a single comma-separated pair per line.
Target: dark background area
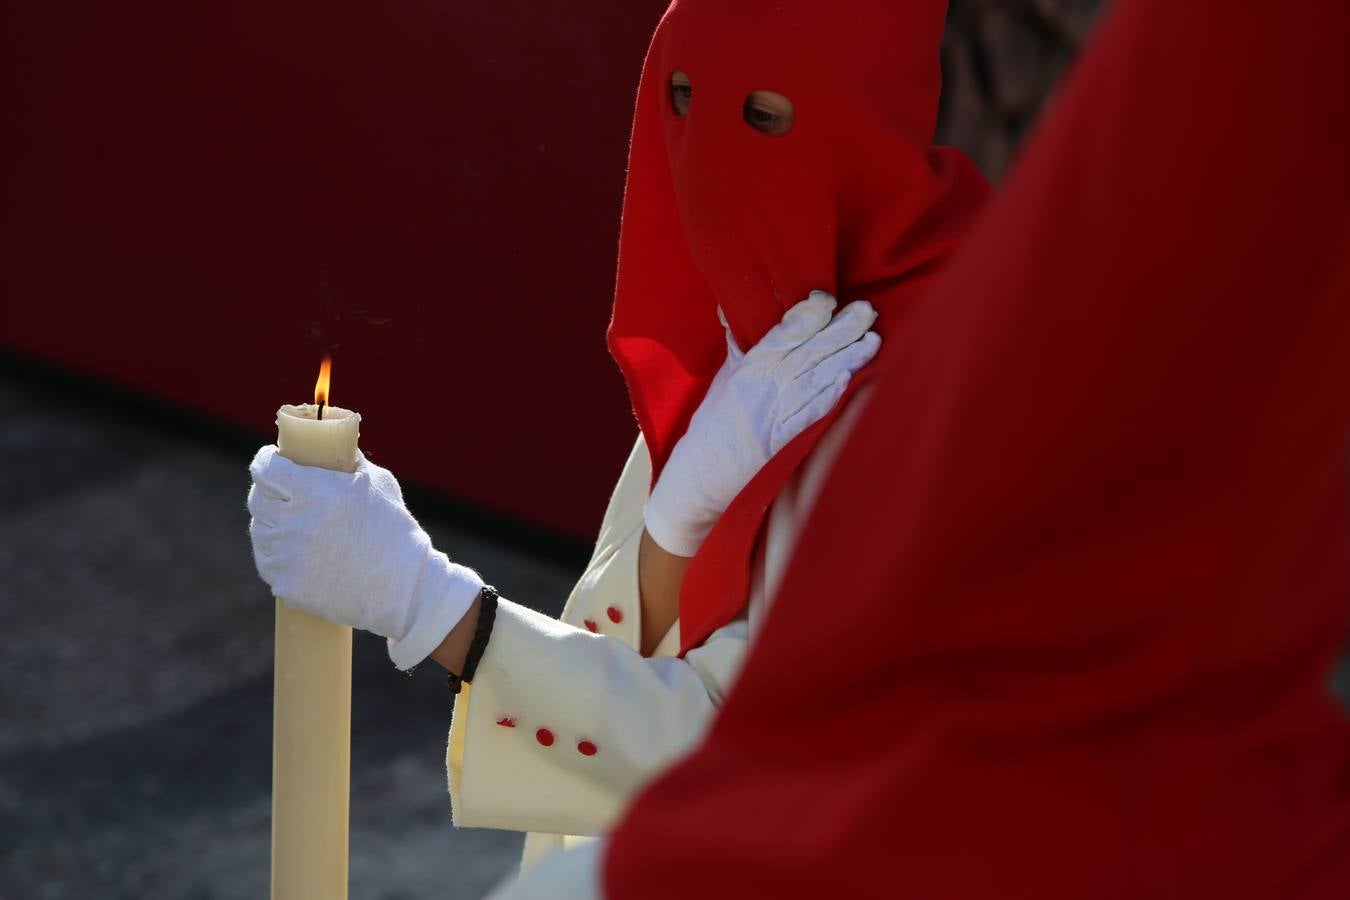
x,y
203,199
199,200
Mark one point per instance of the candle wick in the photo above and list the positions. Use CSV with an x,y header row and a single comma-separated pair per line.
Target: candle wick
x,y
321,405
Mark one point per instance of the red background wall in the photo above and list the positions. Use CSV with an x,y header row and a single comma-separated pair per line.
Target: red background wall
x,y
200,199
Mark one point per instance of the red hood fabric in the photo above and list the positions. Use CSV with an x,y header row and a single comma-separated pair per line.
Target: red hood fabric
x,y
853,200
1062,623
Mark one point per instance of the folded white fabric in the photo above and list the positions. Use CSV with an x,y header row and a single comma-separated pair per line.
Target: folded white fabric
x,y
758,402
344,547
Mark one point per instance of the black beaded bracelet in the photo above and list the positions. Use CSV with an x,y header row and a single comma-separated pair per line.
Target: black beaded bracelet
x,y
487,614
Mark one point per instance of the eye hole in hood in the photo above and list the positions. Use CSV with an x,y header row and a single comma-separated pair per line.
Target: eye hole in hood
x,y
681,93
768,112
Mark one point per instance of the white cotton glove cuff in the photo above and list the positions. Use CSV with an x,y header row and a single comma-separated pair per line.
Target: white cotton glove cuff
x,y
442,596
673,539
679,516
759,401
345,548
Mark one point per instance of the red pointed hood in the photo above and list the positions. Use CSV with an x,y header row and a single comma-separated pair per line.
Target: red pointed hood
x,y
852,199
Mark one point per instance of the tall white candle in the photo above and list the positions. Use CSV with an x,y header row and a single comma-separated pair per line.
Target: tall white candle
x,y
312,704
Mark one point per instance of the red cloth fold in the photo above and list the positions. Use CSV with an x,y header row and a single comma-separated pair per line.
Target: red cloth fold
x,y
853,199
1062,622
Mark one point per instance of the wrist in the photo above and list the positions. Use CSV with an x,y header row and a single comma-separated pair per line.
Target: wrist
x,y
453,650
660,577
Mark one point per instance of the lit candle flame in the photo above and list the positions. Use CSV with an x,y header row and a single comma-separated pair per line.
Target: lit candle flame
x,y
321,386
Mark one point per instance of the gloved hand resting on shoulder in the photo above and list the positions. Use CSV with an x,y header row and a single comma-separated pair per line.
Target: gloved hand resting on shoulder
x,y
757,403
344,547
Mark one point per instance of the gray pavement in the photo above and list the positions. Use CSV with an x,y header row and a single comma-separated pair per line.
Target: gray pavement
x,y
135,679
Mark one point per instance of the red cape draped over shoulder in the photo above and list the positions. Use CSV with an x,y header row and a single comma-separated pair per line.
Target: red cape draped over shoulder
x,y
1062,622
853,199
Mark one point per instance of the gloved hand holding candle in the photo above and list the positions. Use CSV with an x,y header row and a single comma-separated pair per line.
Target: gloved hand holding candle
x,y
344,547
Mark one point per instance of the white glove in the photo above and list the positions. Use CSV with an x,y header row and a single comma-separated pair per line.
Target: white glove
x,y
757,403
344,547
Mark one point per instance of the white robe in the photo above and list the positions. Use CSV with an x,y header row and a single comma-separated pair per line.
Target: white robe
x,y
562,726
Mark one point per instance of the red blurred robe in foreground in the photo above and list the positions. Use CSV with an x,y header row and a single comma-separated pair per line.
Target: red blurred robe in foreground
x,y
1063,621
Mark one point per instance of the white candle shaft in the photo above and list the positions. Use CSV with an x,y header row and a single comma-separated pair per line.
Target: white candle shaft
x,y
312,702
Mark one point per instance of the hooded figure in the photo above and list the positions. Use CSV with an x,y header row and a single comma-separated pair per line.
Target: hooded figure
x,y
740,203
731,203
781,150
1088,547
